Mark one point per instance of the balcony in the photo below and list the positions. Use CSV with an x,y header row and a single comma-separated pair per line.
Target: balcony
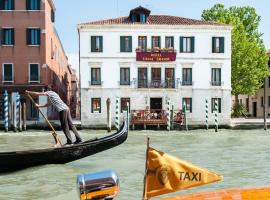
x,y
216,83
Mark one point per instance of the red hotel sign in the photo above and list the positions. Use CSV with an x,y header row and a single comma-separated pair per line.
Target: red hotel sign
x,y
156,57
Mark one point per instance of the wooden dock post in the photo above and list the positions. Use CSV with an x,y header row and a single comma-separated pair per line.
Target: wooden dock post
x,y
109,115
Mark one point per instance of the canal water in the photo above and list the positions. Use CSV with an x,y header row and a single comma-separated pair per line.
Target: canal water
x,y
242,157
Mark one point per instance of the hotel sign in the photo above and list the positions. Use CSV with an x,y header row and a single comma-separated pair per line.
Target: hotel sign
x,y
156,57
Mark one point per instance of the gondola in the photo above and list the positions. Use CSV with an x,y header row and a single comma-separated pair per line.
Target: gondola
x,y
17,160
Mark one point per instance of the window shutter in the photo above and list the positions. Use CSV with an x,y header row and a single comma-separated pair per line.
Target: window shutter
x,y
213,44
12,5
28,36
101,44
192,44
159,42
93,43
221,44
38,39
122,43
181,44
1,5
190,105
2,36
38,4
130,43
27,4
173,42
12,36
152,42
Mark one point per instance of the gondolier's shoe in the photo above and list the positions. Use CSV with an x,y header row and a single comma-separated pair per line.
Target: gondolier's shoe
x,y
77,142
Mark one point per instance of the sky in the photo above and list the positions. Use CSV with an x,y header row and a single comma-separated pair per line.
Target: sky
x,y
70,13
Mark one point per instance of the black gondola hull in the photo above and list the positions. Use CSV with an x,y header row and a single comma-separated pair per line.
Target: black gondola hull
x,y
12,161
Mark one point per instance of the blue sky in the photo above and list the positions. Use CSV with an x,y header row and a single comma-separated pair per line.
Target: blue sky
x,y
70,13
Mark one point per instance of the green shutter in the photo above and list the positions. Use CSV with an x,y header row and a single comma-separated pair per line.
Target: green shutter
x,y
190,105
2,36
181,44
28,36
152,42
39,35
173,42
12,5
13,36
213,44
38,5
192,44
159,42
93,43
221,44
101,43
27,4
122,43
130,43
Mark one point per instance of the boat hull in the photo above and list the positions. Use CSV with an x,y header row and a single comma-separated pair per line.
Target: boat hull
x,y
12,161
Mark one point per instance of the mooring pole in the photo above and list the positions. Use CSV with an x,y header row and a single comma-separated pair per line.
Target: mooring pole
x,y
6,110
14,117
117,113
206,114
24,116
216,114
109,115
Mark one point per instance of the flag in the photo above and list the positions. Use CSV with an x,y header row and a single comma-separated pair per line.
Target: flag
x,y
165,174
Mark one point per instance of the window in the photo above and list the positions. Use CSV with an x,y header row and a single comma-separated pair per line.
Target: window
x,y
247,104
187,76
52,16
7,36
142,18
7,72
156,77
216,77
124,76
125,43
33,36
95,76
169,77
142,78
218,44
96,44
188,103
96,105
34,73
262,102
32,4
218,100
6,4
169,42
155,42
33,110
187,44
124,105
142,43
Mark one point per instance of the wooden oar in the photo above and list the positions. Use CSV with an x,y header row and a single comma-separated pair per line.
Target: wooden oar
x,y
55,136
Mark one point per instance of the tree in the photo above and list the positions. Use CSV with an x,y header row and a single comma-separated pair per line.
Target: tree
x,y
249,58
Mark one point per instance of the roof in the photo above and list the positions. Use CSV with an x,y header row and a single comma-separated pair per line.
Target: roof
x,y
154,20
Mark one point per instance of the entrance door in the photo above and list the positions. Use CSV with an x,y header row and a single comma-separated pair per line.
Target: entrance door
x,y
254,108
156,103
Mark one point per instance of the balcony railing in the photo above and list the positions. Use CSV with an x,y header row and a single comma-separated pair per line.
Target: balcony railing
x,y
124,82
186,83
216,83
95,82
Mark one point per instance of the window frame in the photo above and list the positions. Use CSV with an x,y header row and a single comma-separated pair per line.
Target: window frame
x,y
3,73
218,47
95,82
3,36
184,99
214,77
4,7
94,42
187,44
124,82
124,100
92,101
29,73
33,7
171,41
144,42
185,81
29,36
123,48
154,40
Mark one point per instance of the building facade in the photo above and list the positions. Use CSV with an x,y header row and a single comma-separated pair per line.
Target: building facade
x,y
254,104
31,53
147,59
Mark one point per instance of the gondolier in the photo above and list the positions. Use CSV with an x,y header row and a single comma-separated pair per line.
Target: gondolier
x,y
63,110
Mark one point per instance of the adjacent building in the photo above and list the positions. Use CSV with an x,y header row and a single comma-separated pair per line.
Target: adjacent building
x,y
147,59
31,53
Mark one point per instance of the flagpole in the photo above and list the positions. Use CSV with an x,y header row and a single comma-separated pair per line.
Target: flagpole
x,y
146,169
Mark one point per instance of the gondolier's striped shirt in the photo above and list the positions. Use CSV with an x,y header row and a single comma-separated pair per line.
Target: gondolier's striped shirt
x,y
56,101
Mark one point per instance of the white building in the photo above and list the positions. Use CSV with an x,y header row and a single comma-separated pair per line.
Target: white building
x,y
115,60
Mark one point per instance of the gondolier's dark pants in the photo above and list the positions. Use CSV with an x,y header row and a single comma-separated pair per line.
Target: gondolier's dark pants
x,y
66,124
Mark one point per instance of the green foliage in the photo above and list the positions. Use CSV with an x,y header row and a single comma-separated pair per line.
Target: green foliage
x,y
249,59
239,110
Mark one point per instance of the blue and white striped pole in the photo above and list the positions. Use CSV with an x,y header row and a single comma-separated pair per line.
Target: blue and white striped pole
x,y
6,110
216,115
18,109
128,117
117,113
172,116
168,114
206,113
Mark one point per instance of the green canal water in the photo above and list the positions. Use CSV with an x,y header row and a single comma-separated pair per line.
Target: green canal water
x,y
242,157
